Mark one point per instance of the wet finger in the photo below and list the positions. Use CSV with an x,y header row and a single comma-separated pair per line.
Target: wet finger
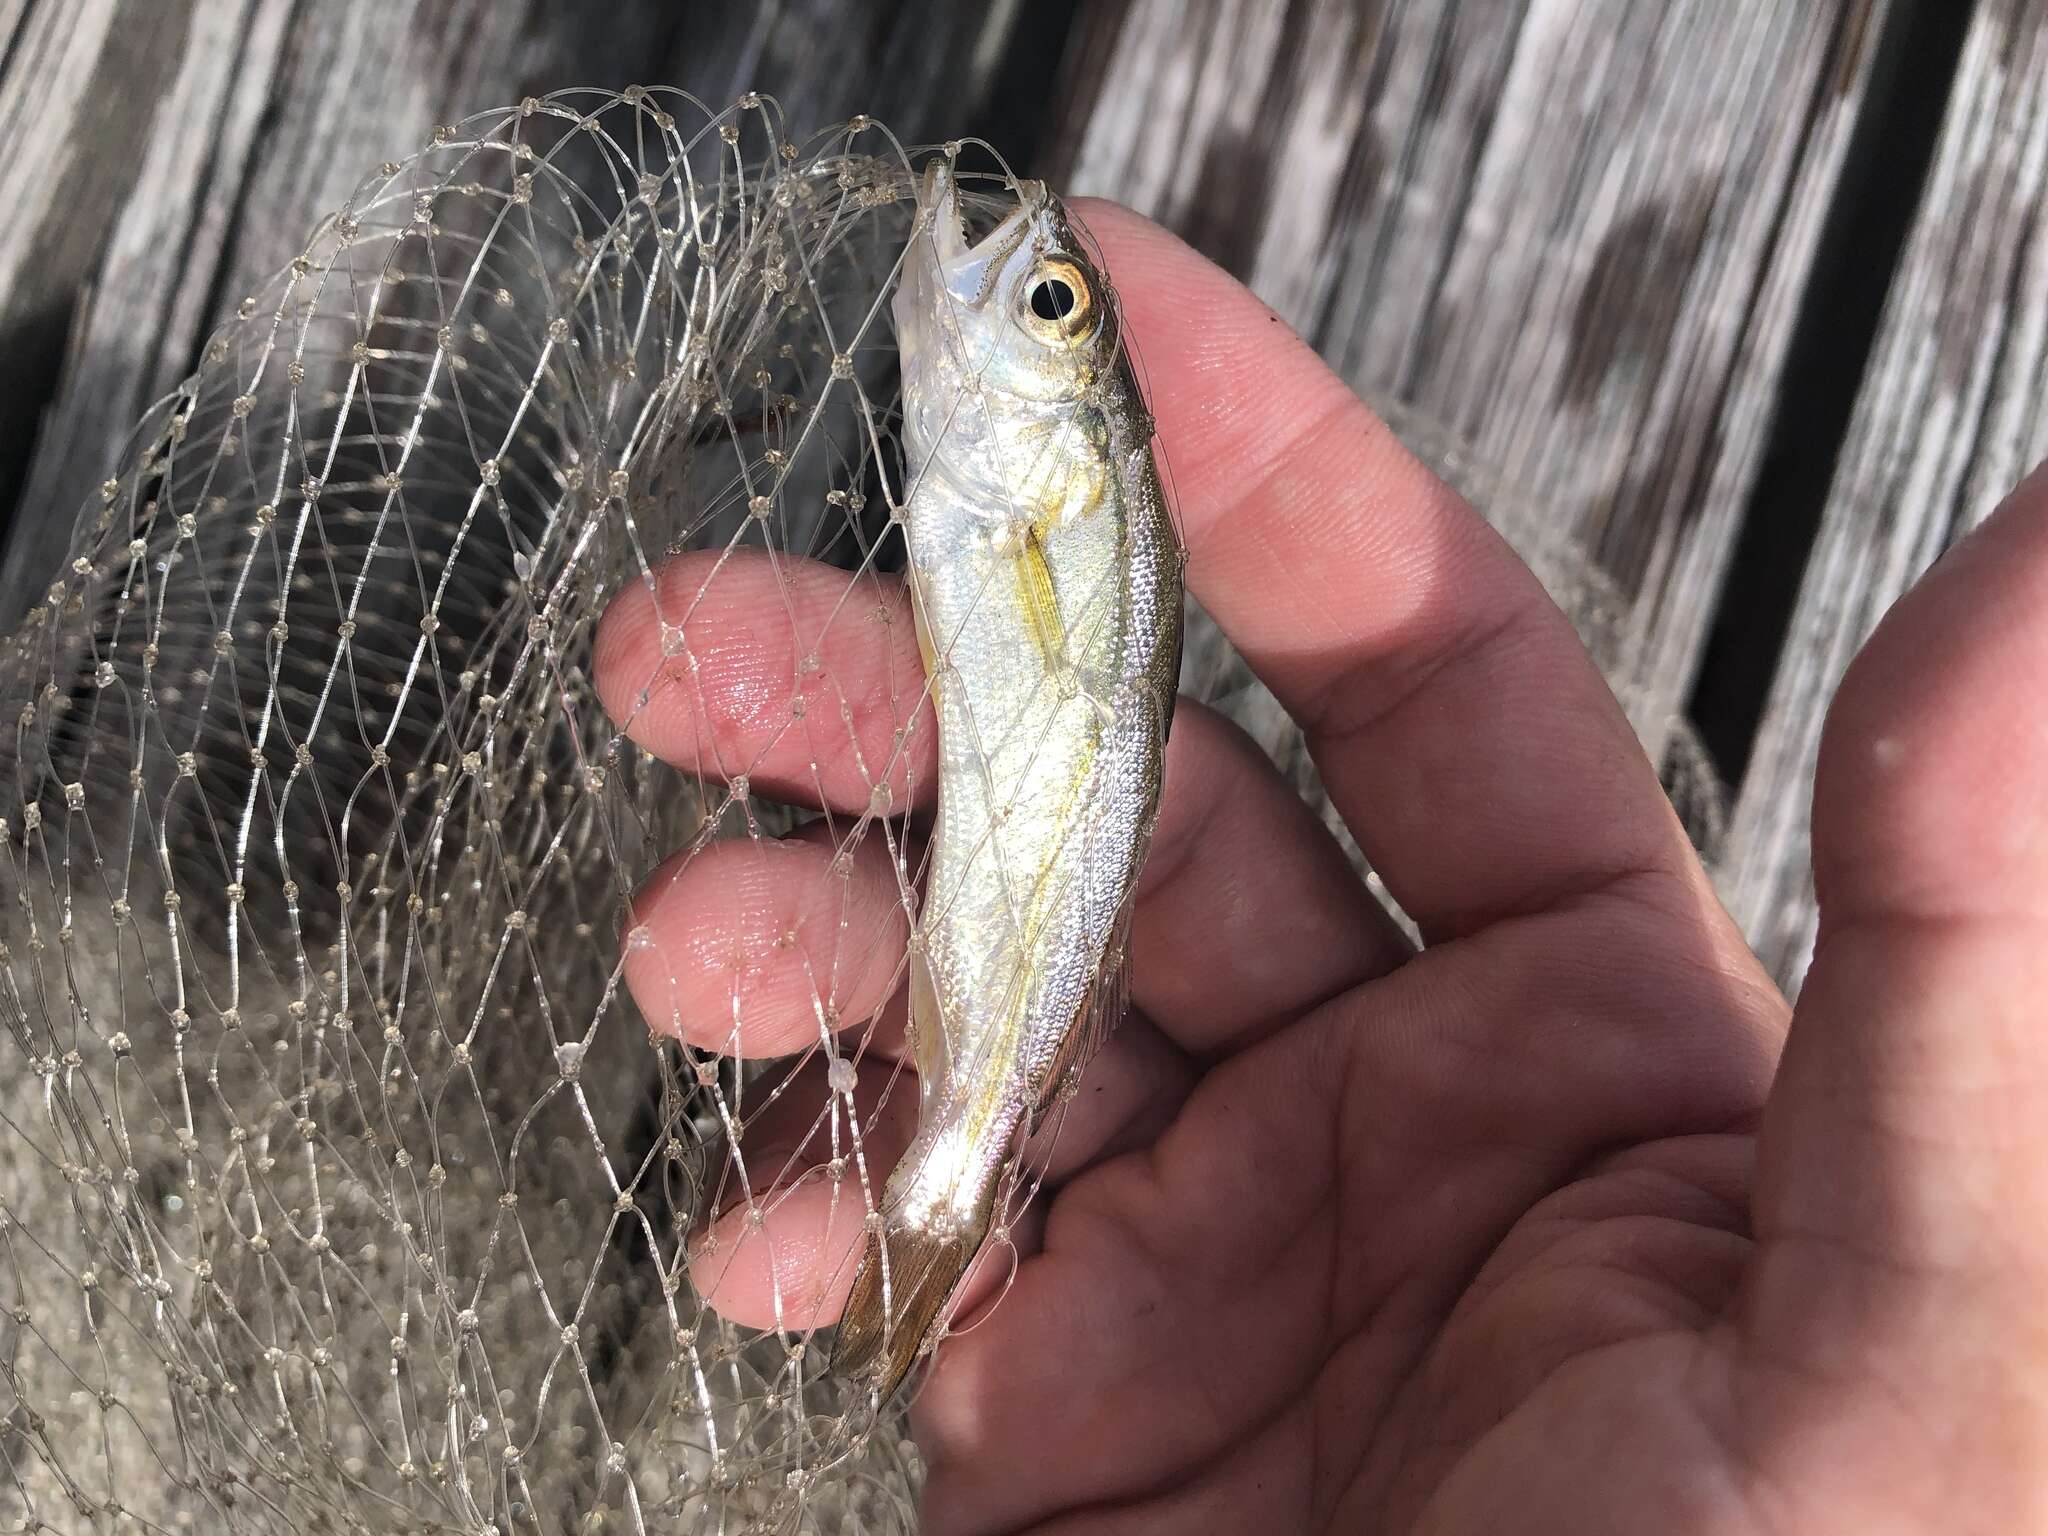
x,y
797,676
763,946
785,1260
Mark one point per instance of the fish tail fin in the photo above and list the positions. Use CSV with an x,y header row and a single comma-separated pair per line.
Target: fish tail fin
x,y
906,1274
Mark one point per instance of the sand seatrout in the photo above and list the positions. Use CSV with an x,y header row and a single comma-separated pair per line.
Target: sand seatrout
x,y
1046,582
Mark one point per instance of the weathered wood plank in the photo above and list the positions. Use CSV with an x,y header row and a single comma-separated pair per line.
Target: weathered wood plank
x,y
57,144
218,132
11,14
1949,419
158,160
139,245
1571,233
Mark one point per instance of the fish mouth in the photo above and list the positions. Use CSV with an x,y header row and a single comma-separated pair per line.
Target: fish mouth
x,y
965,270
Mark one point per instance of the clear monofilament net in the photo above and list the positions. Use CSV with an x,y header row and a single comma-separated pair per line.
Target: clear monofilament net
x,y
346,1185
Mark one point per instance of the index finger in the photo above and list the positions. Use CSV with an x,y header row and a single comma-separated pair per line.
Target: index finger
x,y
1460,727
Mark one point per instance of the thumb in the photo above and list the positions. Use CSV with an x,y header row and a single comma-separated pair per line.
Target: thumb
x,y
1902,1198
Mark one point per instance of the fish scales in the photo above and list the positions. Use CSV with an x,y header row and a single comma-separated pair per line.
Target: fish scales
x,y
1046,583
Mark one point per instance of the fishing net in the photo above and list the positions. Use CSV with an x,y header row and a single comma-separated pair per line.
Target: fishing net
x,y
360,1144
344,1183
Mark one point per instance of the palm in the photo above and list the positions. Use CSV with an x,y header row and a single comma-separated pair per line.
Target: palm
x,y
1333,1274
1516,1233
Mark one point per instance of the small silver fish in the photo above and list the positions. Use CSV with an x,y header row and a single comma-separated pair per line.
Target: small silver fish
x,y
1045,576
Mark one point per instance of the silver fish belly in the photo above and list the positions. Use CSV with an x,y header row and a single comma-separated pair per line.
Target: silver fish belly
x,y
1046,581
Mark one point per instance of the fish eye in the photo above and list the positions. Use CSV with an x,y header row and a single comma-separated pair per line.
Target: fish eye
x,y
1052,299
1059,303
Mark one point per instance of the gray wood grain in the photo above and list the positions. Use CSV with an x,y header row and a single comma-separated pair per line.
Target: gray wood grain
x,y
1948,420
1570,235
168,155
120,258
159,157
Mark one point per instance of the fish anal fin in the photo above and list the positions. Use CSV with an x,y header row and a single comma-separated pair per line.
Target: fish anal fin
x,y
906,1276
1100,1013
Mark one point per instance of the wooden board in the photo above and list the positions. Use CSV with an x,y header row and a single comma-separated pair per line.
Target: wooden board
x,y
1567,242
159,157
1948,421
1568,235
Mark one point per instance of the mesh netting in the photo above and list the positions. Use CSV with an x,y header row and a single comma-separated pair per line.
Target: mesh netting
x,y
345,1185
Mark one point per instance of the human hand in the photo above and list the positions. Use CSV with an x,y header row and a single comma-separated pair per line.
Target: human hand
x,y
1514,1234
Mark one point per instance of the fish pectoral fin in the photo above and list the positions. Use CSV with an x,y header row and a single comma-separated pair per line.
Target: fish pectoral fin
x,y
929,1049
1041,601
906,1275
